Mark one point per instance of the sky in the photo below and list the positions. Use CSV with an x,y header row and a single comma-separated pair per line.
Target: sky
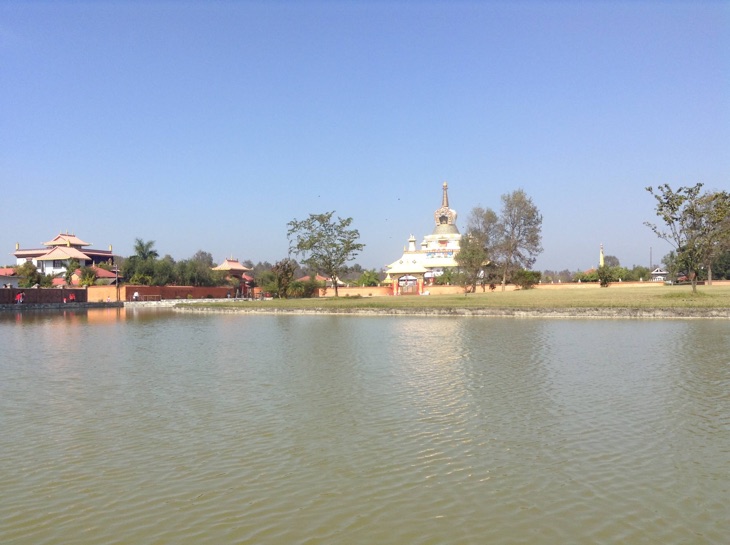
x,y
211,125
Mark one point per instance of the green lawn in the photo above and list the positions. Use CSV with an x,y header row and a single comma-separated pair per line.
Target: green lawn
x,y
638,297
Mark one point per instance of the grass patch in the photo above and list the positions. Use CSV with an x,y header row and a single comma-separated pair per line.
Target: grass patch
x,y
633,296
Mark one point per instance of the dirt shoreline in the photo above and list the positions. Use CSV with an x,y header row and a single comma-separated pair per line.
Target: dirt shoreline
x,y
640,313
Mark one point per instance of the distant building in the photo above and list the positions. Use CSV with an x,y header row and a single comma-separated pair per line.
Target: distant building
x,y
324,280
419,267
107,277
8,277
234,269
659,275
55,256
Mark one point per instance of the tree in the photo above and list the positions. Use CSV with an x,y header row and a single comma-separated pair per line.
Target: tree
x,y
716,206
520,233
447,277
326,245
368,278
145,250
479,246
140,267
203,257
558,276
194,272
696,225
721,266
605,275
71,267
284,273
28,275
611,261
526,279
472,258
164,271
87,276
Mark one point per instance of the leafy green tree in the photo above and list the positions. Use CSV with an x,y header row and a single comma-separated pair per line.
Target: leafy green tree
x,y
446,278
284,272
611,261
192,272
558,276
605,276
141,279
206,258
327,245
164,271
368,278
695,224
479,246
717,207
472,258
639,272
526,279
521,233
145,250
671,264
88,276
721,266
267,281
586,276
140,267
28,275
71,267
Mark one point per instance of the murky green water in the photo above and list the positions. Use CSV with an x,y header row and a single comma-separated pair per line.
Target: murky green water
x,y
159,427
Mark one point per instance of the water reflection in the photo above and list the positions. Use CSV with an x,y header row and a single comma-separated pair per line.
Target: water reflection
x,y
152,427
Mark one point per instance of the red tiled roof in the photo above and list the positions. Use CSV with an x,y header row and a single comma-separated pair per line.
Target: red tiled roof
x,y
100,273
318,278
7,271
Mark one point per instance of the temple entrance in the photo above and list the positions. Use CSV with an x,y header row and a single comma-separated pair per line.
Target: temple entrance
x,y
408,285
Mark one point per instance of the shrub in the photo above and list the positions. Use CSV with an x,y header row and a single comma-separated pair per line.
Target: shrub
x,y
526,279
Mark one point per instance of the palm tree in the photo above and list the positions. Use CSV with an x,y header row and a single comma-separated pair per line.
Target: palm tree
x,y
144,250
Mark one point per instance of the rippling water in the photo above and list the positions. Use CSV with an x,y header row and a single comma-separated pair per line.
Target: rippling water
x,y
145,427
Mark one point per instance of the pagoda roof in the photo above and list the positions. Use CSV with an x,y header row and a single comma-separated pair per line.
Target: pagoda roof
x,y
62,253
66,239
231,264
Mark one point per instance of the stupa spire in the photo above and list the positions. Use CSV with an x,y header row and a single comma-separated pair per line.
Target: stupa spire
x,y
445,199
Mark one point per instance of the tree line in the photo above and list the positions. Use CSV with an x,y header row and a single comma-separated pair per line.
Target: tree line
x,y
496,248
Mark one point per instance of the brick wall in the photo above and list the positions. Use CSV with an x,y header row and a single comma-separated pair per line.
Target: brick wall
x,y
126,292
42,296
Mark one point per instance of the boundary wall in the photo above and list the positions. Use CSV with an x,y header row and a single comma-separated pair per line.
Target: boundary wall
x,y
157,293
42,296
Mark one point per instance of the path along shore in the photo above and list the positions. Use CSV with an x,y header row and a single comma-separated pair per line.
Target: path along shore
x,y
208,306
588,312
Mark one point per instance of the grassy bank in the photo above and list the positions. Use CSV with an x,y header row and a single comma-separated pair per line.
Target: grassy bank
x,y
639,297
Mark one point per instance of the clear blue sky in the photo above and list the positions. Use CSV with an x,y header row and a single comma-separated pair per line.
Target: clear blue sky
x,y
210,125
